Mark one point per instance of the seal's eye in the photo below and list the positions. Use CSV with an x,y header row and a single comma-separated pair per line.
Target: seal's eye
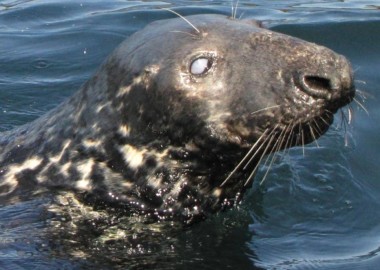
x,y
200,66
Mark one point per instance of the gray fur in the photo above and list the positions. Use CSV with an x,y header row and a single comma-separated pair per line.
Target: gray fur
x,y
145,135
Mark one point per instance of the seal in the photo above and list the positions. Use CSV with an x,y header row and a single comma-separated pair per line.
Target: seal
x,y
177,119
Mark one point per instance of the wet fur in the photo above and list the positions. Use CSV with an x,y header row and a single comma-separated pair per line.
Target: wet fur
x,y
146,136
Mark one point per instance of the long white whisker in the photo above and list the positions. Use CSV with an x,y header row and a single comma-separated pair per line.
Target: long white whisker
x,y
290,136
236,7
313,135
241,15
274,157
361,106
258,163
303,140
317,128
264,109
345,129
281,138
363,94
245,158
277,148
361,81
350,113
324,120
182,17
344,119
258,149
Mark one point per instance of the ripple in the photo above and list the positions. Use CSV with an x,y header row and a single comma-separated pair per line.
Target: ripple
x,y
41,64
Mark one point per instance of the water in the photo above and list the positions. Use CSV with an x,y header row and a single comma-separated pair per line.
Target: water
x,y
314,211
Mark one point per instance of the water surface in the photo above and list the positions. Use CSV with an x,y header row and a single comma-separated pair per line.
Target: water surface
x,y
315,210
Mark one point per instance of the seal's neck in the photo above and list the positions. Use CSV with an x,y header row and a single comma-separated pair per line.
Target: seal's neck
x,y
96,145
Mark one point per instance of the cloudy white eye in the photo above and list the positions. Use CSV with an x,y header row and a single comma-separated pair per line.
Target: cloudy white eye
x,y
200,66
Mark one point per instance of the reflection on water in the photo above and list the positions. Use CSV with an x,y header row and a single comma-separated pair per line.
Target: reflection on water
x,y
318,210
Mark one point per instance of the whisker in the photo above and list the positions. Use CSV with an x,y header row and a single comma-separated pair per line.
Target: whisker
x,y
363,94
299,138
303,140
317,128
329,112
264,109
258,163
324,120
182,17
313,135
281,138
232,9
183,32
361,81
350,113
235,11
274,157
289,139
258,149
290,136
276,147
244,158
345,128
344,118
348,122
361,106
356,69
241,15
344,121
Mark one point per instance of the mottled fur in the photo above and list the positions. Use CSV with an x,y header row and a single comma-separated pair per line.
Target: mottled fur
x,y
146,135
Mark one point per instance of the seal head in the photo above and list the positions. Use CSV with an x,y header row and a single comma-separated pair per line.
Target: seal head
x,y
177,119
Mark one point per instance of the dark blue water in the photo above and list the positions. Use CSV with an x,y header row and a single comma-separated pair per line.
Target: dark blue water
x,y
318,210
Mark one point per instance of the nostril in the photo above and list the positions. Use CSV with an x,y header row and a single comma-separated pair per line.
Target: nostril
x,y
317,83
315,86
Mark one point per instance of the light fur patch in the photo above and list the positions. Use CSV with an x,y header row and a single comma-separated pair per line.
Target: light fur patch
x,y
57,158
154,182
65,169
132,155
177,188
91,143
125,90
124,130
85,169
217,192
101,107
10,177
84,184
160,158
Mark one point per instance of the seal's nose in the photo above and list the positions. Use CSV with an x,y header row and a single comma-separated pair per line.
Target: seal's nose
x,y
329,84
